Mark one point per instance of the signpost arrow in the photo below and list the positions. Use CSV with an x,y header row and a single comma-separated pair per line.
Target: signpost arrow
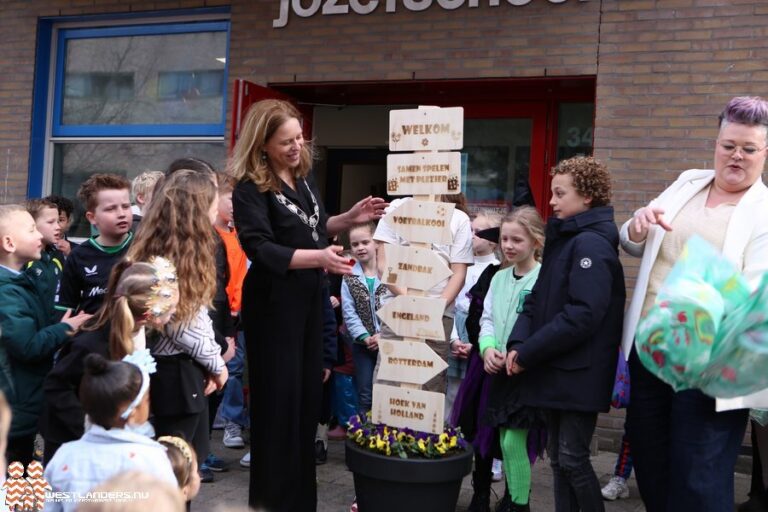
x,y
422,221
408,408
424,173
408,361
414,267
415,317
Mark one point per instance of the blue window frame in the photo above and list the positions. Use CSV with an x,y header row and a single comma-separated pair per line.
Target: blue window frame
x,y
119,87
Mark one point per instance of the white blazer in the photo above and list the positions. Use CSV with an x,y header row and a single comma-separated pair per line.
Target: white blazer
x,y
745,244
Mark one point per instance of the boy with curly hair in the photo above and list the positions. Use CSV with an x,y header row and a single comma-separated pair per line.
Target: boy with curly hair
x,y
565,342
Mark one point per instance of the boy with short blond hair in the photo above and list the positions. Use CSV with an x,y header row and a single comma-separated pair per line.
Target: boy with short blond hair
x,y
28,336
142,187
107,202
46,272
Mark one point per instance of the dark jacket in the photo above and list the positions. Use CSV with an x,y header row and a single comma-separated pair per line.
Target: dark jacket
x,y
224,324
568,335
63,416
476,304
46,275
28,341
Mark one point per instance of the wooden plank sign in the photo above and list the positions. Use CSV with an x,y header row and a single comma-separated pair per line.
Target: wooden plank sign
x,y
418,268
422,221
408,361
414,317
426,129
408,408
424,173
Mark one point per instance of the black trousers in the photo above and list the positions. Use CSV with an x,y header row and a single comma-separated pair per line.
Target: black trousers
x,y
575,483
192,427
283,332
683,450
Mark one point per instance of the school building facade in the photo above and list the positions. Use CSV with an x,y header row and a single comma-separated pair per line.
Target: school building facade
x,y
125,86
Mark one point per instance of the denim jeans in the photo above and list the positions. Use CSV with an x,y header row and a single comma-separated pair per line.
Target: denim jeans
x,y
575,483
232,402
684,452
365,361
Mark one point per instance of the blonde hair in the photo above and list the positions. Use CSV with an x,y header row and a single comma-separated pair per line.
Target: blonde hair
x,y
248,160
176,226
144,183
530,220
160,495
128,294
5,211
183,459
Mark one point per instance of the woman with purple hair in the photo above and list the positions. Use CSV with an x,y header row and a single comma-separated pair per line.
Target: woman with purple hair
x,y
684,450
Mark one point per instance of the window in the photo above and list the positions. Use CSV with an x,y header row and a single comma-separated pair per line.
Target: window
x,y
128,95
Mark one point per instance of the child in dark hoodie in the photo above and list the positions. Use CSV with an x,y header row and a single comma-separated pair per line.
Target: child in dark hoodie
x,y
566,340
28,336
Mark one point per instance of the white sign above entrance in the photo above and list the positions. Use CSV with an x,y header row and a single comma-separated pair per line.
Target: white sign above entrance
x,y
426,129
330,7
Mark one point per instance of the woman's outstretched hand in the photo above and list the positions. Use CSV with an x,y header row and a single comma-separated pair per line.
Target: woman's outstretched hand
x,y
643,219
367,210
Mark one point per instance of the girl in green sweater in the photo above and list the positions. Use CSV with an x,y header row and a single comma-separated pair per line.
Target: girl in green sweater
x,y
521,241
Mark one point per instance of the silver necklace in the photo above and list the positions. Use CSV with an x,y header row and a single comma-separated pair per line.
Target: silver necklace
x,y
310,221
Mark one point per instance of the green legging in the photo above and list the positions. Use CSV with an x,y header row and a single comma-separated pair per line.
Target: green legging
x,y
516,464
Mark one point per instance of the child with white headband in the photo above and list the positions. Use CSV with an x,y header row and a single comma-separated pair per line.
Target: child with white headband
x,y
115,396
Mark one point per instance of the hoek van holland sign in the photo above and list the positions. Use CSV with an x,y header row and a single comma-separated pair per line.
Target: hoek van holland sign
x,y
363,7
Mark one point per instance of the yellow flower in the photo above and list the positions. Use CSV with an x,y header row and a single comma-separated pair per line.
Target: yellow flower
x,y
443,437
422,446
454,441
440,447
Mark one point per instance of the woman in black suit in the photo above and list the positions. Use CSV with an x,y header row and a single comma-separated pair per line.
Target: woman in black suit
x,y
284,230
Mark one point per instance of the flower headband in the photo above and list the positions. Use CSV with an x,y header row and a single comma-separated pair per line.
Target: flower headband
x,y
142,360
165,290
179,443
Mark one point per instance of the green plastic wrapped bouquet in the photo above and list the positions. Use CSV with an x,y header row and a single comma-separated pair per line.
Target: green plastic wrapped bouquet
x,y
707,329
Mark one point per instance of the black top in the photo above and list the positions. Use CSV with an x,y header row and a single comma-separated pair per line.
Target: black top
x,y
269,232
86,274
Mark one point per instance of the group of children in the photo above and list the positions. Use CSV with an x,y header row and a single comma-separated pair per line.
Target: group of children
x,y
109,344
79,323
533,348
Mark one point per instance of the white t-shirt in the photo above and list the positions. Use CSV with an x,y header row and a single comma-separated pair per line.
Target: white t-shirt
x,y
459,251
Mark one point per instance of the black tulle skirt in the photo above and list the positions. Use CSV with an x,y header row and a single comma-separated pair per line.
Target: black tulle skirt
x,y
505,408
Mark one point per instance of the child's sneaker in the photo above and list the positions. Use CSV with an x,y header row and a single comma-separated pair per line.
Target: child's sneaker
x,y
497,471
214,463
615,488
233,435
245,462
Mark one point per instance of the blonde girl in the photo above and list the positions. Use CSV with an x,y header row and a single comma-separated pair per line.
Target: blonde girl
x,y
177,224
139,294
184,464
521,240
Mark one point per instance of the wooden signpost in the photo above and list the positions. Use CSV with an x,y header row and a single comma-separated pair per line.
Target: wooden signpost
x,y
421,221
414,317
408,361
424,173
414,267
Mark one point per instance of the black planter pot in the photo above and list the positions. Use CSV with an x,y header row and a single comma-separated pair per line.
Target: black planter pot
x,y
392,484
